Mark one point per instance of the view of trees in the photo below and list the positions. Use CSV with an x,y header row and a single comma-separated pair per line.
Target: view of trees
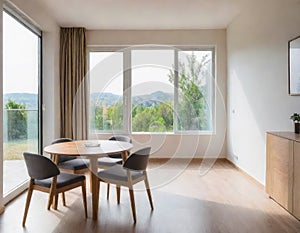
x,y
16,120
192,112
158,116
107,118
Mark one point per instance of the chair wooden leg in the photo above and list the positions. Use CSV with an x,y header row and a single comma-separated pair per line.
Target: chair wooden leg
x,y
55,201
91,181
84,198
132,203
148,191
52,191
29,194
118,193
50,201
63,198
107,194
98,188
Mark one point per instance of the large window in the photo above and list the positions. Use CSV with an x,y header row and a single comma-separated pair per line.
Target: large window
x,y
152,90
195,79
106,91
152,94
21,99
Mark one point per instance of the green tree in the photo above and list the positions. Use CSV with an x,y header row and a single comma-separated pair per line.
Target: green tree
x,y
192,107
98,117
142,119
106,117
16,120
157,125
165,111
156,118
115,114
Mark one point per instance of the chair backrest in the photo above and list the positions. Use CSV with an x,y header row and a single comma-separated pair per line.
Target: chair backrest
x,y
119,138
138,161
39,167
63,158
59,140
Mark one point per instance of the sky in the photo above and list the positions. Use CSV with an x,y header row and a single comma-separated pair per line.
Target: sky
x,y
20,57
150,70
149,74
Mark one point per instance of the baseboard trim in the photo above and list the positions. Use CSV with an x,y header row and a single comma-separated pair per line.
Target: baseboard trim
x,y
249,177
192,160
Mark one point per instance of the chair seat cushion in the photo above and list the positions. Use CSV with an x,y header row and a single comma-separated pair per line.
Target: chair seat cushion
x,y
108,162
74,164
62,158
63,179
118,173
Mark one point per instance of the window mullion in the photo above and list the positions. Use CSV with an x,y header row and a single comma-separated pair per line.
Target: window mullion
x,y
127,91
175,115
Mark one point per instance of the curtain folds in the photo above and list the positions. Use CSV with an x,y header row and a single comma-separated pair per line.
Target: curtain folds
x,y
73,84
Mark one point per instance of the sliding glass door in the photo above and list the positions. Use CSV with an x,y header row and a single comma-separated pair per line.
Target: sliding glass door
x,y
21,111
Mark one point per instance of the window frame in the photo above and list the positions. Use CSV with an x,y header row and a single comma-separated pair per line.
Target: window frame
x,y
127,81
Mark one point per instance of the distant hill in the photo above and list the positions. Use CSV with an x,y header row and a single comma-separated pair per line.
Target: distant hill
x,y
146,100
153,98
29,99
105,97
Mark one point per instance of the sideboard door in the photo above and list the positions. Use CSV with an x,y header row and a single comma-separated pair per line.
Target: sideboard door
x,y
279,182
296,202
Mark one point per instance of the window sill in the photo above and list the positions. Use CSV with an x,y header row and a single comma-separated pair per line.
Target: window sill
x,y
185,133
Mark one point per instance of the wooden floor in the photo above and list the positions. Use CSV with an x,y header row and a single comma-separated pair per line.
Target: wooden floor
x,y
222,200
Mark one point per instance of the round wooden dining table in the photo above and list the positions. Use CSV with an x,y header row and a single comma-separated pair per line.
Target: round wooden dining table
x,y
91,149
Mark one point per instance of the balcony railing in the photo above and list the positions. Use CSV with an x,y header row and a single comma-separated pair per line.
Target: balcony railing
x,y
20,132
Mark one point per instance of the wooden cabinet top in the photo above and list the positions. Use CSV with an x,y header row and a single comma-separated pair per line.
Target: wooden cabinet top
x,y
288,135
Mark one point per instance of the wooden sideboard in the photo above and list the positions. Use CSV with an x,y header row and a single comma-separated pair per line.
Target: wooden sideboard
x,y
283,170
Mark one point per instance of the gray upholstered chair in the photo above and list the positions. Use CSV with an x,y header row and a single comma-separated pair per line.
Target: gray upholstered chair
x,y
131,172
113,159
46,177
71,164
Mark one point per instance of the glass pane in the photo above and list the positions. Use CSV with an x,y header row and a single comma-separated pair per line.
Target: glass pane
x,y
152,90
20,99
194,111
106,91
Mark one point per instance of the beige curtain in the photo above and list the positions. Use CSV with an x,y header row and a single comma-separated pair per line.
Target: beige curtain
x,y
73,86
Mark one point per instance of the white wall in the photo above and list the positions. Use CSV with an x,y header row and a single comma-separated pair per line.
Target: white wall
x,y
258,99
177,145
50,69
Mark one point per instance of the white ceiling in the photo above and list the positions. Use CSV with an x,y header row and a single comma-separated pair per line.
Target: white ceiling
x,y
143,14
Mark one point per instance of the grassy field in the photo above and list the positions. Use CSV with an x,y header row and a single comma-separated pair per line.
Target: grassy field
x,y
13,150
